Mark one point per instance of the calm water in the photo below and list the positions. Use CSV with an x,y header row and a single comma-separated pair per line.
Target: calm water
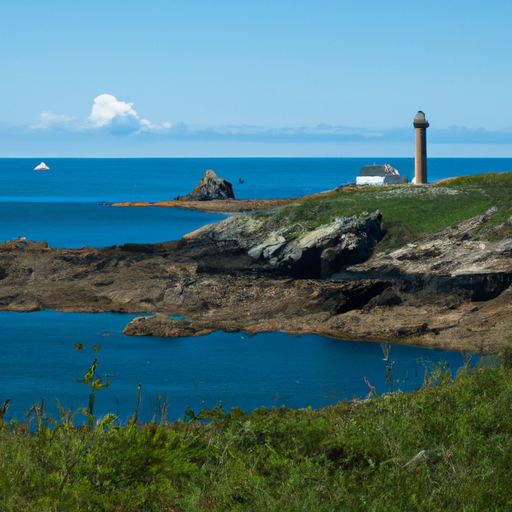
x,y
39,360
64,206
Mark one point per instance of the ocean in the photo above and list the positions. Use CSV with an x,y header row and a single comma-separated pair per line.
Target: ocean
x,y
69,206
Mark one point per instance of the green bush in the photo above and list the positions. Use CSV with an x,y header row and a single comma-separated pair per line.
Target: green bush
x,y
447,446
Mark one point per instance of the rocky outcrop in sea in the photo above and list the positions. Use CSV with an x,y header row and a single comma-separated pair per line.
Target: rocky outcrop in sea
x,y
210,187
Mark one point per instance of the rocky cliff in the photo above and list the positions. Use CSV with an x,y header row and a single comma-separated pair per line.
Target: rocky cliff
x,y
245,243
248,274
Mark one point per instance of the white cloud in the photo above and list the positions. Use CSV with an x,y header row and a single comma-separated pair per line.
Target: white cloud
x,y
108,113
148,126
49,119
106,108
120,117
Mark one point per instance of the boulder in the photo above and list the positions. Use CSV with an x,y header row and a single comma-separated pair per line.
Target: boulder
x,y
209,188
246,243
323,251
159,325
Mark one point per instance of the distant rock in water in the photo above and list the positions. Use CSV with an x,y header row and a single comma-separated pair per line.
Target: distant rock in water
x,y
41,167
209,188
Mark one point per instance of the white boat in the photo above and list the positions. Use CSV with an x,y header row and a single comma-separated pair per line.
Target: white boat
x,y
42,167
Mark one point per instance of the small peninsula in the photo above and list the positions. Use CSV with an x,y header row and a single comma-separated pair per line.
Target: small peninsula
x,y
214,194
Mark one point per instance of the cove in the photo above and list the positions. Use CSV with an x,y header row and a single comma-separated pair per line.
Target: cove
x,y
39,361
79,224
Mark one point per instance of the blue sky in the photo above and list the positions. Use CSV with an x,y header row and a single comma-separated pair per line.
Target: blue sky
x,y
265,78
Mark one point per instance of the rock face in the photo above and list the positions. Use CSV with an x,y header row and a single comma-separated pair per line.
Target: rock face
x,y
452,252
245,243
322,252
209,188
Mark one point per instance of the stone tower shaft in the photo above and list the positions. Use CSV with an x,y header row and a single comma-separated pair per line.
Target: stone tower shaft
x,y
420,160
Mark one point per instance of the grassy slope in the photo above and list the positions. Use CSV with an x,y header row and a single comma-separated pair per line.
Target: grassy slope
x,y
411,212
447,446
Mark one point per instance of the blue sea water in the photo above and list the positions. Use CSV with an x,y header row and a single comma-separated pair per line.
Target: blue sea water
x,y
39,361
68,207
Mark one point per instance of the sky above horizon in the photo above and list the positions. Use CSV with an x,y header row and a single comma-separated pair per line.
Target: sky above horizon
x,y
233,78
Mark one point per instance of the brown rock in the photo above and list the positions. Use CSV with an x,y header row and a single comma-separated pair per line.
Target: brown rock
x,y
448,291
210,187
158,325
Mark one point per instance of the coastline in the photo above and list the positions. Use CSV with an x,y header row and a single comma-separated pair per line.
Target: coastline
x,y
421,307
216,206
233,205
298,274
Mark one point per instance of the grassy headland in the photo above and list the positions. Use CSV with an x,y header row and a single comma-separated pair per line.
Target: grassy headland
x,y
410,212
447,446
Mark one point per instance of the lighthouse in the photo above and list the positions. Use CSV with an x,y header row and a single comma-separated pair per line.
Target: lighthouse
x,y
420,161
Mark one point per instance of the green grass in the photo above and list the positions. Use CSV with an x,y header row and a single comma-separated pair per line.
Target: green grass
x,y
411,212
447,446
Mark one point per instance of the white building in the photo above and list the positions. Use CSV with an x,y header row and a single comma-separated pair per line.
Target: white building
x,y
380,175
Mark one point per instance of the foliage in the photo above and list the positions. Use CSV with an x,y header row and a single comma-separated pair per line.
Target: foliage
x,y
93,380
447,446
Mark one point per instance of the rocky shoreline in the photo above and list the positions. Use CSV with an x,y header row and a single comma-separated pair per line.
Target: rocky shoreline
x,y
245,274
217,205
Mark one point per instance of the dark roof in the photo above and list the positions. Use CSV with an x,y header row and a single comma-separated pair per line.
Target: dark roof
x,y
420,121
378,170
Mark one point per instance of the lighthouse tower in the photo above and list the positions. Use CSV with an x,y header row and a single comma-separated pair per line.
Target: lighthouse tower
x,y
420,161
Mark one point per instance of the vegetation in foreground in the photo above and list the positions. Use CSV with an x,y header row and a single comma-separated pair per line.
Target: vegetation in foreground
x,y
411,212
447,446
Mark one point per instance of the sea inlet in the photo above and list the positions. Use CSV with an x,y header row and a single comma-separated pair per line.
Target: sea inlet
x,y
40,361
